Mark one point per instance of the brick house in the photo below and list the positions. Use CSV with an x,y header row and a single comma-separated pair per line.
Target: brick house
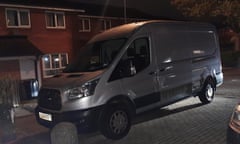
x,y
56,29
19,62
47,25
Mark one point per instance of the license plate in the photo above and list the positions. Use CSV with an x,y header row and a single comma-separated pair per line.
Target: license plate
x,y
45,116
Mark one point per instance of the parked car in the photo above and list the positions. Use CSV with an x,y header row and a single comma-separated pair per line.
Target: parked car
x,y
131,69
233,132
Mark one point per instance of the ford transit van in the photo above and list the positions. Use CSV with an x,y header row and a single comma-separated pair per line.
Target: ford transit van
x,y
131,69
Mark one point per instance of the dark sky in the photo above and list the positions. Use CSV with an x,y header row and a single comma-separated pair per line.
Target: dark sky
x,y
161,8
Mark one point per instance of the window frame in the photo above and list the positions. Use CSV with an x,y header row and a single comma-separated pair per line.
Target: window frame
x,y
52,68
116,74
56,26
83,27
104,24
18,18
137,49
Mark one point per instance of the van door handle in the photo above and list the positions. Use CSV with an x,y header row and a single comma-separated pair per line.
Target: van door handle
x,y
162,70
152,73
166,68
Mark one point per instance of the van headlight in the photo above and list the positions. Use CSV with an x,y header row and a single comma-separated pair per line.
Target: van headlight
x,y
85,90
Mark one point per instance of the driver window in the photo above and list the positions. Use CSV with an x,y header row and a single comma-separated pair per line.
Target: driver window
x,y
139,53
135,59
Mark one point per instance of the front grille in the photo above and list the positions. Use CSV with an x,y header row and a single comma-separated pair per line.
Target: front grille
x,y
50,99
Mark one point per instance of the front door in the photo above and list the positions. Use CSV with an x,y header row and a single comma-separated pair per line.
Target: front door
x,y
140,82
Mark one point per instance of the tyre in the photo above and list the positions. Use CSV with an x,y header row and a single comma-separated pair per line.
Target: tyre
x,y
207,93
115,122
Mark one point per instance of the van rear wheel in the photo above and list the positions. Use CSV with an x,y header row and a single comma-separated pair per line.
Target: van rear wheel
x,y
115,122
207,93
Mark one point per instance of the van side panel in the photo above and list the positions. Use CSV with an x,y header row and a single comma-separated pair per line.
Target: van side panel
x,y
204,57
187,53
174,62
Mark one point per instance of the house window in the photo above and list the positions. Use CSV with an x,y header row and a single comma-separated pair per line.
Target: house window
x,y
54,64
106,24
84,25
55,20
18,18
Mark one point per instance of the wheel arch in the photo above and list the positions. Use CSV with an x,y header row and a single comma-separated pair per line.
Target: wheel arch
x,y
123,100
207,92
212,79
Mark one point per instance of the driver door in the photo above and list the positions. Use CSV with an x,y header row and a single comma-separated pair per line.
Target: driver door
x,y
139,73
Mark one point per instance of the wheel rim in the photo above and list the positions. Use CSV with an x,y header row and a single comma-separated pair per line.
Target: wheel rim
x,y
118,122
209,92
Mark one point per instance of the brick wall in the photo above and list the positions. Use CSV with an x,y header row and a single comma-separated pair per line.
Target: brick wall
x,y
47,40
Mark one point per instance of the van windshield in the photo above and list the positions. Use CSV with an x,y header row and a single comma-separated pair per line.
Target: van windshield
x,y
96,56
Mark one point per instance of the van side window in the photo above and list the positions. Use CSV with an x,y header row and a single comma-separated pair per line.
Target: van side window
x,y
138,52
135,59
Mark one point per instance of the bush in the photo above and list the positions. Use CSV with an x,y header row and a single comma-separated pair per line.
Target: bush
x,y
9,91
8,99
7,130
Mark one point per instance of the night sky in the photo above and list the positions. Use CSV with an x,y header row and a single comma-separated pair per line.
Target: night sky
x,y
160,8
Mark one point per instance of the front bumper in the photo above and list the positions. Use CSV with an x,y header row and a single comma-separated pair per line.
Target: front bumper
x,y
83,119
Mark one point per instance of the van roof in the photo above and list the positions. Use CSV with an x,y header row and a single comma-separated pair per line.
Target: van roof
x,y
125,31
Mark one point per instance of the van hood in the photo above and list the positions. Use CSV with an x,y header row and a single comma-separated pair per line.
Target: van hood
x,y
69,80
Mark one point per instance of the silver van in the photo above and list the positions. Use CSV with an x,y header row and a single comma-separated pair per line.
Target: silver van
x,y
131,69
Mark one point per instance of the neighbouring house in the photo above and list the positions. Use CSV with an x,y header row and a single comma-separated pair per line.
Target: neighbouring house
x,y
59,28
45,35
19,59
48,24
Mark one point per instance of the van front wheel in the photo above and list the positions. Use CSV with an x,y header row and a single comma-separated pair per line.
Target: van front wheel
x,y
207,93
115,122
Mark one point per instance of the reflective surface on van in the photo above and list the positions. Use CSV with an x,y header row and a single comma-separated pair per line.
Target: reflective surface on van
x,y
96,56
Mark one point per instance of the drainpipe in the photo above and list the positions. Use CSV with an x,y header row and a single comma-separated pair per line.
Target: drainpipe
x,y
125,10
